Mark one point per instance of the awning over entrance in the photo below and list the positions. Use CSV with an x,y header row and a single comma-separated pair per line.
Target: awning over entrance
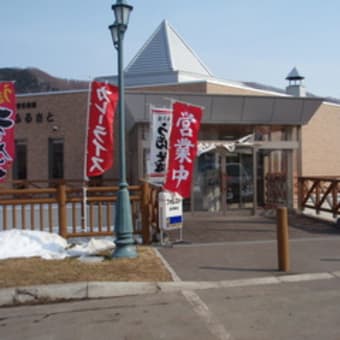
x,y
231,109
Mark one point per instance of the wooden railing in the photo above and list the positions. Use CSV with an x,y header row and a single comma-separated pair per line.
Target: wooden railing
x,y
19,206
39,184
319,194
61,210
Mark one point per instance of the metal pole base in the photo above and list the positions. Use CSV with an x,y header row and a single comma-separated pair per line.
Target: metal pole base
x,y
125,252
125,244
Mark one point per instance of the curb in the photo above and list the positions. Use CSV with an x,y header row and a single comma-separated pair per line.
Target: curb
x,y
96,290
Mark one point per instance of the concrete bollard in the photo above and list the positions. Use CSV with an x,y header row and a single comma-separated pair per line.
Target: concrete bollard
x,y
283,240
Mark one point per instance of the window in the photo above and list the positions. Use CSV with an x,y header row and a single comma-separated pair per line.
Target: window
x,y
55,158
20,160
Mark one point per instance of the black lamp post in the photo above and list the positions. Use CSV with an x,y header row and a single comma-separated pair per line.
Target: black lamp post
x,y
125,245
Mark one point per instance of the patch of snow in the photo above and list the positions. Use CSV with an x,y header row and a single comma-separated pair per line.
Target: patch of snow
x,y
91,259
28,243
93,247
326,216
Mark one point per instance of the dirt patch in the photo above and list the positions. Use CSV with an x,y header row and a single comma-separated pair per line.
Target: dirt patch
x,y
35,271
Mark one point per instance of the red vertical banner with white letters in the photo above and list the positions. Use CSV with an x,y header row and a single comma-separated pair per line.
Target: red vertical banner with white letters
x,y
103,103
7,124
186,121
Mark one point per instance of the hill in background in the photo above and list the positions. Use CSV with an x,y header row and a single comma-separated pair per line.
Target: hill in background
x,y
31,80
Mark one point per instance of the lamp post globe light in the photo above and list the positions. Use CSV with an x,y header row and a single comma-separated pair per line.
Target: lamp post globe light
x,y
125,245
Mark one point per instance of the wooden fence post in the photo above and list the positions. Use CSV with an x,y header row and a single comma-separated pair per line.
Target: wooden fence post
x,y
282,239
62,210
145,213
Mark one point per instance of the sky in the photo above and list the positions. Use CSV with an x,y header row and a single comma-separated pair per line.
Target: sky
x,y
240,40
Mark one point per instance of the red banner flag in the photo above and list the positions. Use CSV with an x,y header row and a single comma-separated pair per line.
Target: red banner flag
x,y
7,123
104,98
186,122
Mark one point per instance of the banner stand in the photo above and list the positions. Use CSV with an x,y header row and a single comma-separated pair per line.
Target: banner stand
x,y
170,216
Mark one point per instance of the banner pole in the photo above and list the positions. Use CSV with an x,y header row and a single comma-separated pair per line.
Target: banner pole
x,y
85,178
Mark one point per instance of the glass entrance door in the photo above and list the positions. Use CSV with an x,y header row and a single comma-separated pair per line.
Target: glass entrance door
x,y
239,179
223,181
207,190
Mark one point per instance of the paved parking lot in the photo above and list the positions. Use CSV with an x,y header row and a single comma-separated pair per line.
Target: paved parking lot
x,y
223,248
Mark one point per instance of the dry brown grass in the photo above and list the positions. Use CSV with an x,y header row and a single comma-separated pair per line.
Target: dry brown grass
x,y
35,271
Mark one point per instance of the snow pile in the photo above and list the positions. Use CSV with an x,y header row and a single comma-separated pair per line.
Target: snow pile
x,y
27,243
93,247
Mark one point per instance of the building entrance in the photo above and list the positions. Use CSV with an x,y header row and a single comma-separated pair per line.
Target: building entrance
x,y
224,180
246,178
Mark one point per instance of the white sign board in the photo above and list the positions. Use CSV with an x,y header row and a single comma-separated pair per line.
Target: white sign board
x,y
159,143
170,211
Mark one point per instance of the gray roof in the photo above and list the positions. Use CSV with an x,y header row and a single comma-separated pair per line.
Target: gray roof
x,y
294,75
269,88
165,58
165,51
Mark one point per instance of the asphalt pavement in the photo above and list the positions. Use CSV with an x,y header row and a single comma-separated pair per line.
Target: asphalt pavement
x,y
237,247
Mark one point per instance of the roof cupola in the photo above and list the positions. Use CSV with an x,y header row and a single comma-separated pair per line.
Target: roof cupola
x,y
296,87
